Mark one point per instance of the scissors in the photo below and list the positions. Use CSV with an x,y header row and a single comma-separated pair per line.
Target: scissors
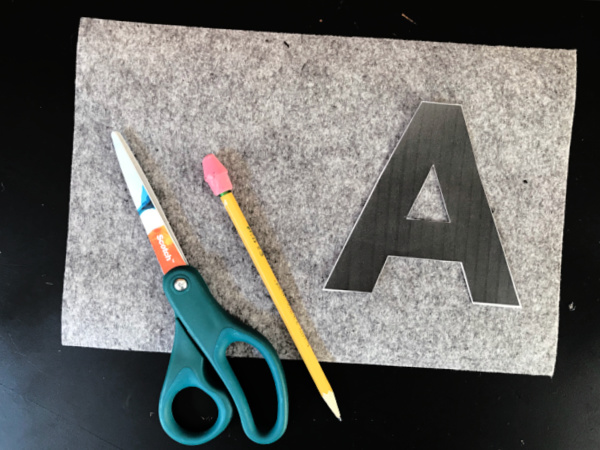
x,y
203,329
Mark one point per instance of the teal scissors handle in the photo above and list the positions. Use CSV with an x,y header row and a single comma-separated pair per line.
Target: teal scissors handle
x,y
203,331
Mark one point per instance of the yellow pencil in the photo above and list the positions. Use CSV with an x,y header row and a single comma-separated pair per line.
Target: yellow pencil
x,y
216,176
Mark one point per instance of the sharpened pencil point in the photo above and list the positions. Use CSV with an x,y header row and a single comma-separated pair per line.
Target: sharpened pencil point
x,y
330,400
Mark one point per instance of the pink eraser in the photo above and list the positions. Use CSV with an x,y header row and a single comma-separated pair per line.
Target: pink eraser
x,y
215,174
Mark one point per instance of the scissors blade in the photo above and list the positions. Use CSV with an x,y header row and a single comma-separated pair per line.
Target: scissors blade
x,y
161,236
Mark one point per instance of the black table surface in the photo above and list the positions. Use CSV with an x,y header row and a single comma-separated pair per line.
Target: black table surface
x,y
55,397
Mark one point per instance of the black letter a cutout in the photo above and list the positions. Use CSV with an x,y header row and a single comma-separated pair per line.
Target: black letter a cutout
x,y
436,136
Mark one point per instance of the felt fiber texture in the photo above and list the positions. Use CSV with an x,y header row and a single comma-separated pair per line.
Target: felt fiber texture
x,y
305,124
429,203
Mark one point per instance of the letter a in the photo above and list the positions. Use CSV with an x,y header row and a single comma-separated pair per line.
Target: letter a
x,y
436,136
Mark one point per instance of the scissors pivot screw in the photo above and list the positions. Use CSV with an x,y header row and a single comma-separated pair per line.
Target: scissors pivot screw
x,y
180,284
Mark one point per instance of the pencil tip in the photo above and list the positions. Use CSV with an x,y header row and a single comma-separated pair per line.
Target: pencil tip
x,y
330,400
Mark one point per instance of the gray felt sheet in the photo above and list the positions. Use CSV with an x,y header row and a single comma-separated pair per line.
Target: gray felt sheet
x,y
305,124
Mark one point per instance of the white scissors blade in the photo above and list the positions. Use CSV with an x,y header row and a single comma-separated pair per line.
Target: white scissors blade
x,y
161,236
